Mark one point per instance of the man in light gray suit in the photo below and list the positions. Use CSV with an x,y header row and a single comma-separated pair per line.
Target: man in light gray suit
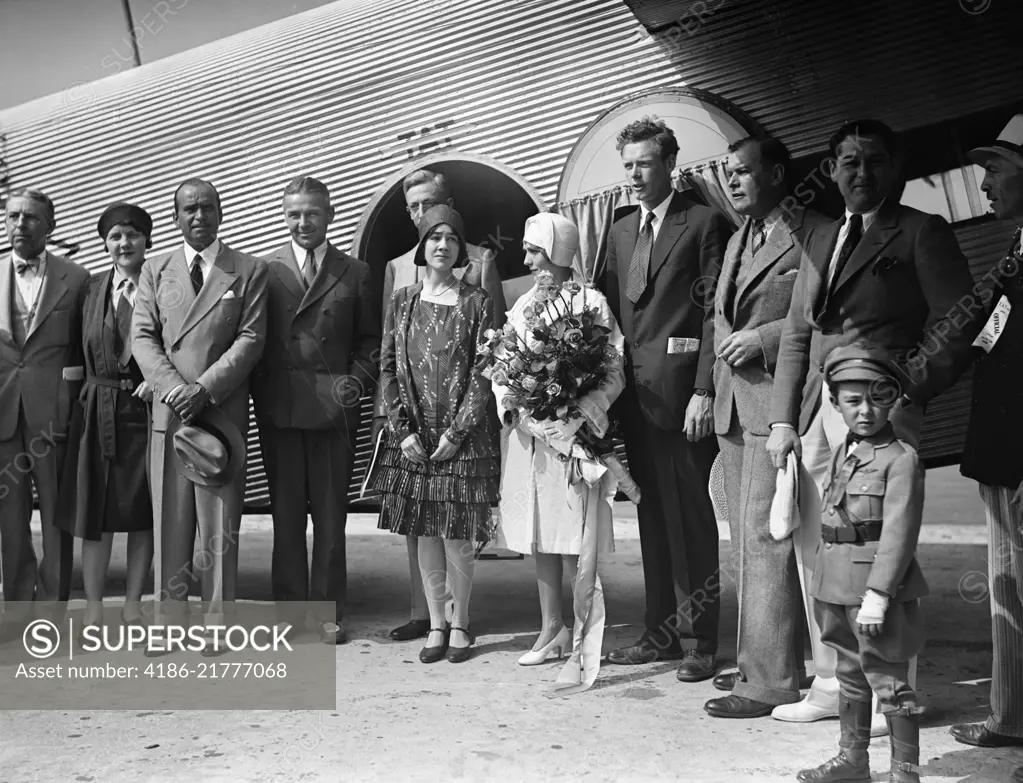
x,y
41,302
752,299
197,333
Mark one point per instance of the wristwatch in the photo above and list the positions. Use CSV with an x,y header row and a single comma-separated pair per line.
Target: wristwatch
x,y
703,393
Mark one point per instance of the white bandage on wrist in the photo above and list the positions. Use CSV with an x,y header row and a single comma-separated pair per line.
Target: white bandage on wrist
x,y
873,608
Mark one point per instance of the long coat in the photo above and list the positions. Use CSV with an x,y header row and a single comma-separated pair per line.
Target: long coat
x,y
93,431
992,454
901,287
545,501
761,303
684,267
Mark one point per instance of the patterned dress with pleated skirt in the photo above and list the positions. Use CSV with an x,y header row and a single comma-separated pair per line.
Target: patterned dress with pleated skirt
x,y
431,388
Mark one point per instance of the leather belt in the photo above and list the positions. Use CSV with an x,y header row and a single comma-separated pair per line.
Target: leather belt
x,y
859,532
124,383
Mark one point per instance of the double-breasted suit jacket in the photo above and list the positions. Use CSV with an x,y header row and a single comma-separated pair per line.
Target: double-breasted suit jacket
x,y
322,349
678,302
760,302
885,487
213,338
901,288
321,358
35,410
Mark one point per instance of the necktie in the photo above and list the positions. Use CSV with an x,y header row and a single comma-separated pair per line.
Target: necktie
x,y
759,237
639,268
196,273
309,270
20,266
851,240
122,319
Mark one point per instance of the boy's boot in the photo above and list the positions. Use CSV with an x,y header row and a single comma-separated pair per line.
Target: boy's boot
x,y
852,764
905,737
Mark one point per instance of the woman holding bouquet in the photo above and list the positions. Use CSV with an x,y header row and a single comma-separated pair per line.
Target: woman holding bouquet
x,y
555,503
439,472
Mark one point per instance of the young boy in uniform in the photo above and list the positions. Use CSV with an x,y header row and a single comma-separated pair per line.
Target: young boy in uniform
x,y
866,581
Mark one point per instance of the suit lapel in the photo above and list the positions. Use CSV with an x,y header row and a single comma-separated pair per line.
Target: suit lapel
x,y
6,290
817,285
674,226
331,270
176,295
882,231
779,242
221,277
51,292
287,271
729,268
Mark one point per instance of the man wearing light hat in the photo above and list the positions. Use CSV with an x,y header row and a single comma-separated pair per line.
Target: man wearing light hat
x,y
993,454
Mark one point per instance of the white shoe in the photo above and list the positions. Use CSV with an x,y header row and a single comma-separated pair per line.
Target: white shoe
x,y
815,706
562,644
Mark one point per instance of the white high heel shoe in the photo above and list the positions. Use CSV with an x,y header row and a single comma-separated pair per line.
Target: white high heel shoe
x,y
562,643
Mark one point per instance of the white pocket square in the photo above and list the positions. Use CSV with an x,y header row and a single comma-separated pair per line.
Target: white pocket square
x,y
229,295
789,272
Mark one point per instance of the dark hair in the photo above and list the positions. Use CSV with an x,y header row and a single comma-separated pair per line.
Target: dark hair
x,y
32,194
195,182
307,185
867,127
772,151
649,129
426,177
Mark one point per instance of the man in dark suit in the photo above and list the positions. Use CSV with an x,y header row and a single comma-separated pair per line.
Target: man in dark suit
x,y
197,333
884,273
320,359
752,299
660,262
993,454
41,302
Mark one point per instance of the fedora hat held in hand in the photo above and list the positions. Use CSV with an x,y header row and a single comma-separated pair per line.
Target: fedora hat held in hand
x,y
211,451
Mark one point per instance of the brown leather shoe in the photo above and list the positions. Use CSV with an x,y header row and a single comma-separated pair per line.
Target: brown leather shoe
x,y
737,707
643,651
696,667
978,734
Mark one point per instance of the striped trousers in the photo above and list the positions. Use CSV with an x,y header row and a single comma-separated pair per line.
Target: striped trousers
x,y
1005,580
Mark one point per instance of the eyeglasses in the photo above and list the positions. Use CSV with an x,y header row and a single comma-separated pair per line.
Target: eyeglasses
x,y
423,206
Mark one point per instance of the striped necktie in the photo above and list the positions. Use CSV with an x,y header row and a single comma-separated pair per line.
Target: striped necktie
x,y
122,320
639,269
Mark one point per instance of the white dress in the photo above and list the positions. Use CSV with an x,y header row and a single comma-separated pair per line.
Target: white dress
x,y
545,501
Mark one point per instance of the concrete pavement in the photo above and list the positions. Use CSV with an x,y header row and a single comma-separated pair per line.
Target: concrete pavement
x,y
489,719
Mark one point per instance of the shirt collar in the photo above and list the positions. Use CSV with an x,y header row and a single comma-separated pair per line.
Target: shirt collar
x,y
659,211
120,277
41,258
881,438
300,253
868,217
209,254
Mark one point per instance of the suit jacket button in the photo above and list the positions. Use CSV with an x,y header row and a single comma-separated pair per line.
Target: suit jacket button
x,y
323,339
637,346
827,545
831,512
821,368
863,488
290,308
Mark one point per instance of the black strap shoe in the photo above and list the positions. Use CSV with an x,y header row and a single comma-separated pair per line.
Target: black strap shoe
x,y
434,654
459,654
